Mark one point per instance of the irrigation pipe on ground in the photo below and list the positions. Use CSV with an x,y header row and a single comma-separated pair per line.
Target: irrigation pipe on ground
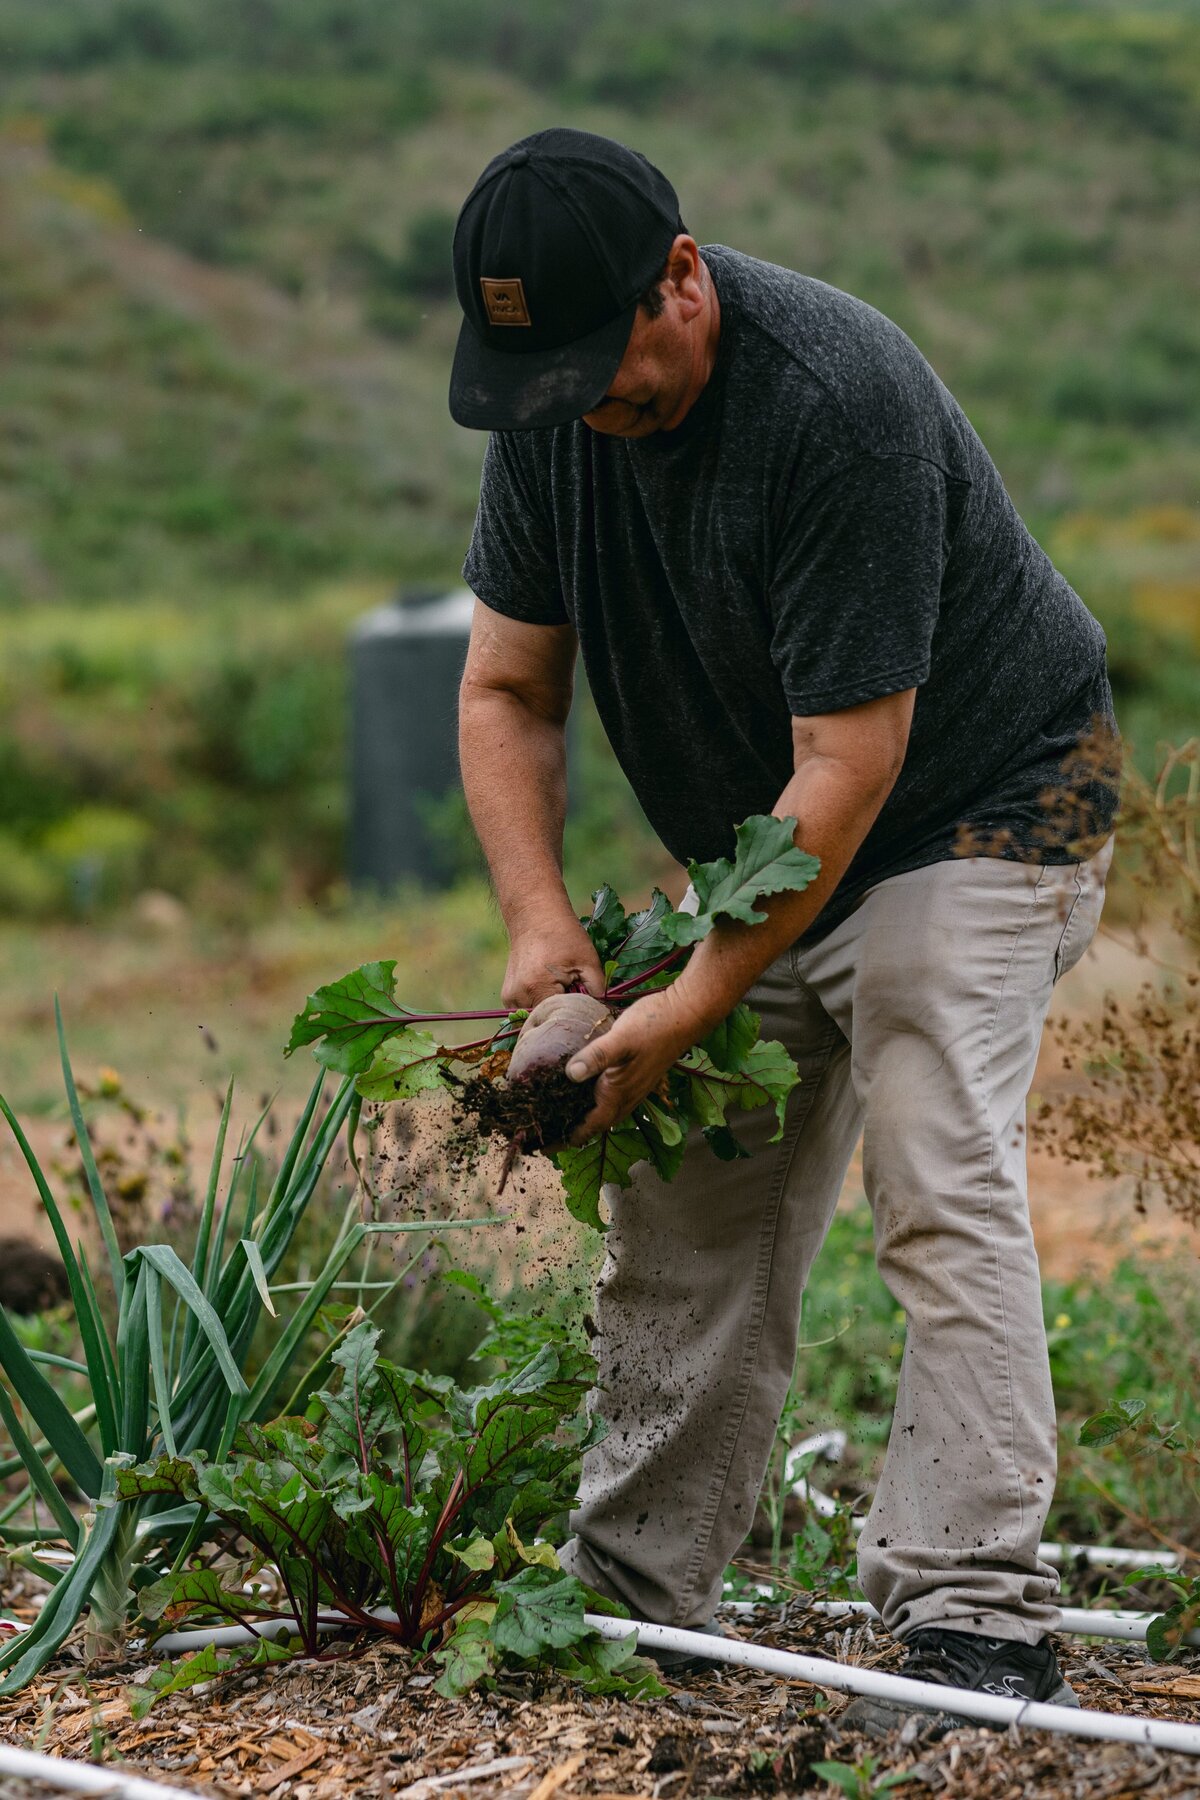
x,y
84,1778
1076,1622
831,1444
989,1709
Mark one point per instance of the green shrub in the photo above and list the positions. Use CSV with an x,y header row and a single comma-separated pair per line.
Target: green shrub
x,y
99,853
263,725
1135,390
28,889
35,790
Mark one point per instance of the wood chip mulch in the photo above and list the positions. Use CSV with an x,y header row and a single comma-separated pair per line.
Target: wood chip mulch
x,y
369,1727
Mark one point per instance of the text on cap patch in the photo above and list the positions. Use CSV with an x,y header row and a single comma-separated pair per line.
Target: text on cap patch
x,y
505,301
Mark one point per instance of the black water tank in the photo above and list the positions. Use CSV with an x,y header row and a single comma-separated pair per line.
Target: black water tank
x,y
406,661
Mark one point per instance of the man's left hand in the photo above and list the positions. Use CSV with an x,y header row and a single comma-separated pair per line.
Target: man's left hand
x,y
630,1059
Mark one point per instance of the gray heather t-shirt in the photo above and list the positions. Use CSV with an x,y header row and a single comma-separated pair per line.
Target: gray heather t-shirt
x,y
823,528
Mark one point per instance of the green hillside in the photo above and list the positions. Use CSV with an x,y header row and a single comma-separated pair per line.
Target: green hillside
x,y
226,322
1014,184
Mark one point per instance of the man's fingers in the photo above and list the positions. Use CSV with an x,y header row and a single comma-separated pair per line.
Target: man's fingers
x,y
528,993
599,1119
611,1106
590,978
590,1063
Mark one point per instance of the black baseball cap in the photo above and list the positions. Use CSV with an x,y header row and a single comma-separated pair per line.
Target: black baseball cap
x,y
555,244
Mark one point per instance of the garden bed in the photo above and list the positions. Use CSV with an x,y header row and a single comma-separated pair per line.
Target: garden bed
x,y
369,1725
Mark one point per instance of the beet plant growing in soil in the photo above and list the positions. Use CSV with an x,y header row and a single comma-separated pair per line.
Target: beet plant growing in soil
x,y
512,1083
408,1506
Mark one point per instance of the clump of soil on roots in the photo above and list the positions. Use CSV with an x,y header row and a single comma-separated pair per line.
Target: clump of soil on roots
x,y
537,1113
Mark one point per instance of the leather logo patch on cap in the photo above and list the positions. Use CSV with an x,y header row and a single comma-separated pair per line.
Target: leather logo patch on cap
x,y
505,301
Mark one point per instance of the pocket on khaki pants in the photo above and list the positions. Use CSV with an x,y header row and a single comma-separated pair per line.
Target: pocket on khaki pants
x,y
1084,908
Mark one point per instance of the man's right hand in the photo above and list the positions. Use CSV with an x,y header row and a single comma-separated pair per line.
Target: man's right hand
x,y
550,956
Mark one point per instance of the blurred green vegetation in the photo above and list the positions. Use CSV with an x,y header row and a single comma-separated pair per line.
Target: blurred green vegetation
x,y
1128,1332
226,322
203,752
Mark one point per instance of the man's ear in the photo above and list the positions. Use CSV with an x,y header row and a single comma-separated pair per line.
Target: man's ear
x,y
685,273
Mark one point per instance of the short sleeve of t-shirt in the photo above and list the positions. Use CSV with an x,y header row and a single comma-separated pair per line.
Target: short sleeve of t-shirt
x,y
512,562
857,584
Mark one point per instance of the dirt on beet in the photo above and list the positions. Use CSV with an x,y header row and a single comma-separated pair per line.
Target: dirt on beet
x,y
538,1112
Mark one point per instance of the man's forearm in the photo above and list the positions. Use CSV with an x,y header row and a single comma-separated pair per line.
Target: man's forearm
x,y
514,775
834,816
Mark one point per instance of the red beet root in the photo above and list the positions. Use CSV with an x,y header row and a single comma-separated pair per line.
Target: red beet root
x,y
555,1029
539,1106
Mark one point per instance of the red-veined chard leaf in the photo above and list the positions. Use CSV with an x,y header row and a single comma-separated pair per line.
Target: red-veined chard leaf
x,y
185,1591
586,1168
347,1021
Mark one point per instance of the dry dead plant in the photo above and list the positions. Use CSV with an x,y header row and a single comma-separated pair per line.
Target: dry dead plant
x,y
1137,1112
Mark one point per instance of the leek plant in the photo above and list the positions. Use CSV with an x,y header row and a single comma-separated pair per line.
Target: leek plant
x,y
172,1376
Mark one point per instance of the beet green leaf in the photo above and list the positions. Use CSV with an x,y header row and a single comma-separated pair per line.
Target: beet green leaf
x,y
347,1021
642,944
407,1064
765,1076
539,1609
766,862
586,1168
733,1038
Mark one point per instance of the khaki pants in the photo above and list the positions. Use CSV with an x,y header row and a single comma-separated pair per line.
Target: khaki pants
x,y
917,1021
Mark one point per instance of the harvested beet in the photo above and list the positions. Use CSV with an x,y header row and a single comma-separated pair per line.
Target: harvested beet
x,y
539,1106
555,1029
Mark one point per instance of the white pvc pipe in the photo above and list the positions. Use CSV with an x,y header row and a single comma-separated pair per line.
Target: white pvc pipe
x,y
1108,1556
228,1637
832,1446
85,1778
819,1672
1076,1620
929,1696
1103,1556
829,1445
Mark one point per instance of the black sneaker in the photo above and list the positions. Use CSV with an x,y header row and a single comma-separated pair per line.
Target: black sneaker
x,y
683,1662
963,1659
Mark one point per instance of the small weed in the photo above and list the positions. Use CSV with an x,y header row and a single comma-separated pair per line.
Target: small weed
x,y
859,1780
1168,1634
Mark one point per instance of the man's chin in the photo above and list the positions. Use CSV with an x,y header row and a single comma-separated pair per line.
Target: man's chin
x,y
644,426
